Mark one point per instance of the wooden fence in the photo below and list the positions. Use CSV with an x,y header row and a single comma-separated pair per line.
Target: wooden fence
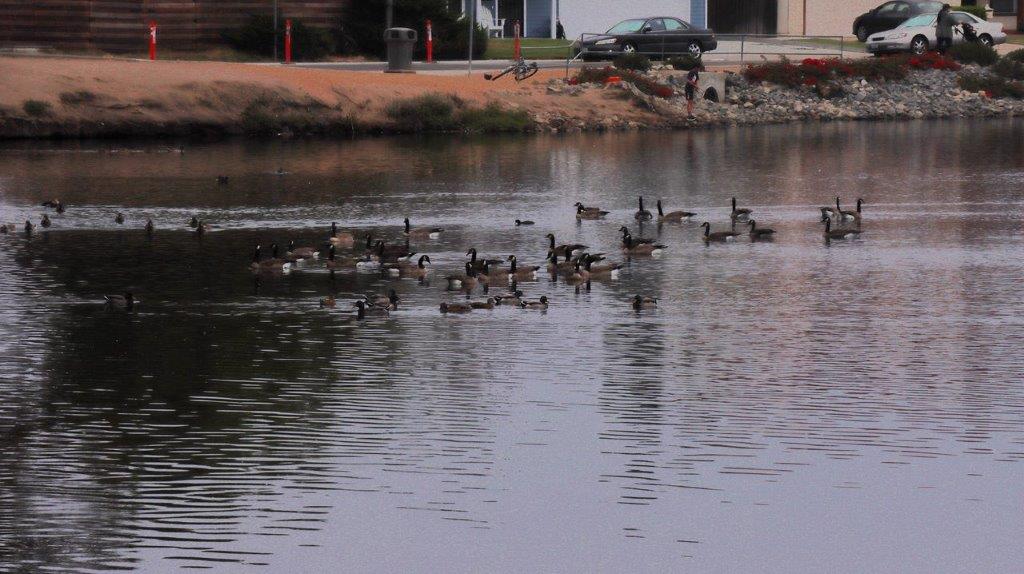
x,y
122,25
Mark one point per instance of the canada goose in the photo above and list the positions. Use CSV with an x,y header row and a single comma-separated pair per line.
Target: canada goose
x,y
523,222
194,222
269,265
60,207
341,238
455,307
589,212
335,262
763,233
563,250
850,215
839,233
281,171
488,304
641,213
542,303
417,270
45,222
363,310
718,235
625,232
388,301
640,303
328,302
829,211
296,254
631,247
555,267
125,301
465,281
385,253
422,232
610,270
222,179
514,298
672,216
150,227
515,272
578,274
28,227
479,264
739,214
119,218
51,203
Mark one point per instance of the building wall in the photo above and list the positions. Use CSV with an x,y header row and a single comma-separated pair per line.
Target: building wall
x,y
539,18
596,16
122,25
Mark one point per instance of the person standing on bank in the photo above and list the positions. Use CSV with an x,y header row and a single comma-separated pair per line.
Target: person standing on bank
x,y
944,29
692,85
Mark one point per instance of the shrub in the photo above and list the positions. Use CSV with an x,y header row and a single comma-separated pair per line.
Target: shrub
x,y
684,62
429,112
1009,69
994,86
973,53
978,11
493,118
75,98
361,28
256,37
1016,55
634,61
36,108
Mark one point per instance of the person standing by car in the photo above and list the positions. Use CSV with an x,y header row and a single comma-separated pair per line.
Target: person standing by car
x,y
944,29
692,85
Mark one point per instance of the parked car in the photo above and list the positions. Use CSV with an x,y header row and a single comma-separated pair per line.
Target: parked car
x,y
917,35
653,36
890,15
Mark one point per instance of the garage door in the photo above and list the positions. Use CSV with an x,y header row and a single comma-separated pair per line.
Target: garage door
x,y
743,16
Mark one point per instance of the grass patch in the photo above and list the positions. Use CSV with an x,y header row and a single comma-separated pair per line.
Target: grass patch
x,y
534,49
36,108
429,112
77,98
493,118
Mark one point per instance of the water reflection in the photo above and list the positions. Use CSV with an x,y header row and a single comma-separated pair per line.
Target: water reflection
x,y
779,389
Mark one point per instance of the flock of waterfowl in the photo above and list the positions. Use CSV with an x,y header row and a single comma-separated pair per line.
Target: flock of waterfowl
x,y
574,263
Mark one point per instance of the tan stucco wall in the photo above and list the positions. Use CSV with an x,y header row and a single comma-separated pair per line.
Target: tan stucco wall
x,y
824,17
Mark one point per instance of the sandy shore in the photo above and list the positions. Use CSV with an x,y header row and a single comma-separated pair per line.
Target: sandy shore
x,y
96,97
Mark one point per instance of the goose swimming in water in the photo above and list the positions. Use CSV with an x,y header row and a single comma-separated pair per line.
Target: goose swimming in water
x,y
739,214
672,216
422,232
641,213
839,233
719,236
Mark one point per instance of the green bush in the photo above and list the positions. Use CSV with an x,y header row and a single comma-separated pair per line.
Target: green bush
x,y
361,29
36,108
429,112
1016,55
1009,69
684,62
75,98
978,11
493,118
634,61
994,86
973,53
256,37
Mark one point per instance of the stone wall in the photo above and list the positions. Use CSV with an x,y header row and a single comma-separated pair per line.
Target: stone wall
x,y
122,25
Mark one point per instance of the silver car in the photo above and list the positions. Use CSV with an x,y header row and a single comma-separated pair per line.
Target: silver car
x,y
917,35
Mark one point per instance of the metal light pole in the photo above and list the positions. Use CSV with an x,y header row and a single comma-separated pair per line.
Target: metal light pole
x,y
275,30
472,32
389,15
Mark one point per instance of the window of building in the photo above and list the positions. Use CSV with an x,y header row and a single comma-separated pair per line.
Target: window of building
x,y
1004,7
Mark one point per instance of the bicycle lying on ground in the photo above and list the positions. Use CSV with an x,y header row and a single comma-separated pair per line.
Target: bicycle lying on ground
x,y
519,68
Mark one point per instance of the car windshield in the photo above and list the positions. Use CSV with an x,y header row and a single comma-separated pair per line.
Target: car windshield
x,y
922,20
627,27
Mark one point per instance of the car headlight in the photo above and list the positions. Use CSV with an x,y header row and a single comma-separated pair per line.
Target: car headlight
x,y
604,42
898,36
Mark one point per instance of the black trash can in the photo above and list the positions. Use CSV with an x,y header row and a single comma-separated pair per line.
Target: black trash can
x,y
400,44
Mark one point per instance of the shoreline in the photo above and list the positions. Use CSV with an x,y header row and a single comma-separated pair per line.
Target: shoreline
x,y
87,99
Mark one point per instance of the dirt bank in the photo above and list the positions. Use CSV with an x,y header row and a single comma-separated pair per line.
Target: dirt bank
x,y
104,97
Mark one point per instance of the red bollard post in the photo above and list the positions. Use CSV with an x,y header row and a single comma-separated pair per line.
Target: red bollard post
x,y
287,41
430,43
152,40
517,45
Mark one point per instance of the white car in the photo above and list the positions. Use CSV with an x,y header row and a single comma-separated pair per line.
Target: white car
x,y
917,35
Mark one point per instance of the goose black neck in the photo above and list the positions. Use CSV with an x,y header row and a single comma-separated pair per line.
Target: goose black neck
x,y
660,212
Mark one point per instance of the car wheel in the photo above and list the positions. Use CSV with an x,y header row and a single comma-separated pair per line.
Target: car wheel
x,y
986,40
919,45
629,48
694,49
862,33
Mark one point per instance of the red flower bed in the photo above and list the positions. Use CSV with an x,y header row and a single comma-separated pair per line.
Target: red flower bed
x,y
813,71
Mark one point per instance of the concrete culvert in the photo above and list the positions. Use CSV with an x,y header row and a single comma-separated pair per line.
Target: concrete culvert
x,y
711,95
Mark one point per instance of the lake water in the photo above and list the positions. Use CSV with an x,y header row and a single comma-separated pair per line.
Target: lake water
x,y
791,406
